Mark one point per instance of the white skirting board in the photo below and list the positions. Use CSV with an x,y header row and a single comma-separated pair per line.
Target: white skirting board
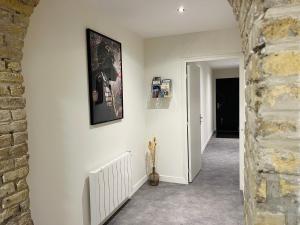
x,y
163,178
171,179
206,142
139,184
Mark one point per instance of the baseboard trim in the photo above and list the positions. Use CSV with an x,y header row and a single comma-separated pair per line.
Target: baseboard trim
x,y
139,184
170,179
206,142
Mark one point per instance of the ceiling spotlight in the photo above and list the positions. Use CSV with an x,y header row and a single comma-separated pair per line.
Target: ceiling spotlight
x,y
181,9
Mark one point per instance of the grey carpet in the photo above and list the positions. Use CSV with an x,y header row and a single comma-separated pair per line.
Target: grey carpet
x,y
212,199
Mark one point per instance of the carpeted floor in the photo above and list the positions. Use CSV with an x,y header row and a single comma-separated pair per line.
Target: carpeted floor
x,y
212,199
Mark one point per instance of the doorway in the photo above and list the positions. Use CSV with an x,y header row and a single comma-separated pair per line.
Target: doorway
x,y
223,68
227,108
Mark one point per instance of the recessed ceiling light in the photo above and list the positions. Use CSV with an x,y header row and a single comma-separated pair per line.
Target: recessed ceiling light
x,y
181,9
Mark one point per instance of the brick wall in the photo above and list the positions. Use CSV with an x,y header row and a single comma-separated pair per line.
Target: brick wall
x,y
270,30
14,200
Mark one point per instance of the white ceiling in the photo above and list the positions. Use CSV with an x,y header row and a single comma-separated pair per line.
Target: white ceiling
x,y
153,18
224,64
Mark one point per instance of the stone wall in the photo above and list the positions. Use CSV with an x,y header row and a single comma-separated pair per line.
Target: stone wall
x,y
14,200
271,42
270,31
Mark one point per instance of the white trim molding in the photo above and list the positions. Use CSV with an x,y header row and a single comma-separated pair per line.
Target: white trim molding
x,y
206,142
139,184
171,179
237,55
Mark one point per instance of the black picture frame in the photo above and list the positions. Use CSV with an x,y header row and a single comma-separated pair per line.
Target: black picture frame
x,y
105,78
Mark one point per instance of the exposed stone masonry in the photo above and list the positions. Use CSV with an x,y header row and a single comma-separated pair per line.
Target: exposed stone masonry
x,y
270,32
14,200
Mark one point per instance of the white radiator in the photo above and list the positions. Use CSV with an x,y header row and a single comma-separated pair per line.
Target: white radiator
x,y
110,188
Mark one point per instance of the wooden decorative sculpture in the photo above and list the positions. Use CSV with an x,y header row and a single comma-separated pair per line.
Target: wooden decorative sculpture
x,y
153,176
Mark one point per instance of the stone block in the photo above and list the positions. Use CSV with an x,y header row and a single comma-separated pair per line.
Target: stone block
x,y
7,189
22,184
31,2
289,186
279,3
261,193
16,126
10,53
5,128
17,5
6,165
286,162
14,41
5,115
15,174
21,20
268,218
20,138
5,140
272,187
25,218
4,91
277,128
277,29
253,96
16,90
280,96
2,41
11,77
12,103
4,153
18,150
19,126
282,64
2,66
253,72
279,159
24,206
14,66
8,213
19,114
14,199
21,161
5,17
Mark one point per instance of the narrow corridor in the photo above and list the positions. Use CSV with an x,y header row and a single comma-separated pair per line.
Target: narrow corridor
x,y
212,199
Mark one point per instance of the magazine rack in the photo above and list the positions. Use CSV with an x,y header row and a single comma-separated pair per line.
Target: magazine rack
x,y
161,88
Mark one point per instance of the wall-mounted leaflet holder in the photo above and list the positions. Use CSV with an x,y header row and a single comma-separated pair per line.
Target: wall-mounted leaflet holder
x,y
161,88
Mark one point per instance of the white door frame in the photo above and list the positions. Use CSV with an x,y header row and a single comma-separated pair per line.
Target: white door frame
x,y
236,55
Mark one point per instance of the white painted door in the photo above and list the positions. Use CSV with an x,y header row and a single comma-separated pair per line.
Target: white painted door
x,y
193,120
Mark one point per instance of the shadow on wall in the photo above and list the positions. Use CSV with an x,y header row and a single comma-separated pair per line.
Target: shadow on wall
x,y
86,202
158,103
105,124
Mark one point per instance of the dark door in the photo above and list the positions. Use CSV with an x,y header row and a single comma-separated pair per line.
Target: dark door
x,y
227,107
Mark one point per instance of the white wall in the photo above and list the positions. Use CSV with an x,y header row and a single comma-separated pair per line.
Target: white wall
x,y
222,74
164,57
62,144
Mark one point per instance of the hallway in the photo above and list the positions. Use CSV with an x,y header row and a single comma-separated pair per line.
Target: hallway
x,y
212,199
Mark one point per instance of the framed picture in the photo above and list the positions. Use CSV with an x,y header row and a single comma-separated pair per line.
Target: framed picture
x,y
105,78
